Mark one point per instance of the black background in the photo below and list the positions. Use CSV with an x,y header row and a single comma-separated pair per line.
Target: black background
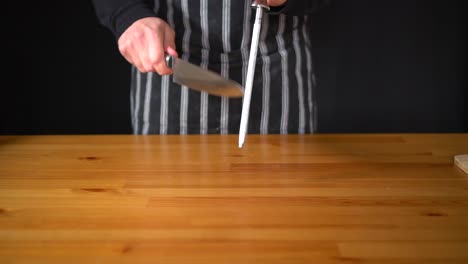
x,y
382,66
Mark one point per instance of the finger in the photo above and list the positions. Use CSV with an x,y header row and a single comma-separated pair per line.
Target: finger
x,y
128,52
169,42
142,48
124,47
127,56
130,46
161,66
156,55
171,51
160,61
169,46
138,63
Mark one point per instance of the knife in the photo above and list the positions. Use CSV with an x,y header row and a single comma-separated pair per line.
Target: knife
x,y
197,78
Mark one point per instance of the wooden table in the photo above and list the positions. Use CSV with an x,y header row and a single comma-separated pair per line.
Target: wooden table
x,y
350,198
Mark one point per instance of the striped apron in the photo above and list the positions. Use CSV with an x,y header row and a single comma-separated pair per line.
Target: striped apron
x,y
216,35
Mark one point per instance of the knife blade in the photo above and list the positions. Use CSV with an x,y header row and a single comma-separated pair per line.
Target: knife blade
x,y
197,78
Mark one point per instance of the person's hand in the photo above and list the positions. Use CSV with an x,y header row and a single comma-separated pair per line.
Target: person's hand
x,y
145,43
276,2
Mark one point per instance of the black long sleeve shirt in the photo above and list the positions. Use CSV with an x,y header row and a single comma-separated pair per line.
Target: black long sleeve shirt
x,y
118,15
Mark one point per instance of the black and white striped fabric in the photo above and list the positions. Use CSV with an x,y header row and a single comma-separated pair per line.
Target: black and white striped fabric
x,y
217,35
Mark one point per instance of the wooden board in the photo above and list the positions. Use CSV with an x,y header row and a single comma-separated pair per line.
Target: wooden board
x,y
358,198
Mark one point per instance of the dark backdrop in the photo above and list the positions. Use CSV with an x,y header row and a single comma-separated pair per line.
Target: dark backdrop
x,y
382,66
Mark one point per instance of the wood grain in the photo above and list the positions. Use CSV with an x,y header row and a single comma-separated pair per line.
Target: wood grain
x,y
323,198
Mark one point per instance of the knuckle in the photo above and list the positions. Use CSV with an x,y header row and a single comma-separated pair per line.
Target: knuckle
x,y
157,59
123,50
137,34
123,46
140,68
148,67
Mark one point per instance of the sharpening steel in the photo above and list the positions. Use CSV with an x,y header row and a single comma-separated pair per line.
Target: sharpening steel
x,y
259,5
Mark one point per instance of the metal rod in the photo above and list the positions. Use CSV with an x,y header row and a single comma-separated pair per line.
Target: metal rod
x,y
250,75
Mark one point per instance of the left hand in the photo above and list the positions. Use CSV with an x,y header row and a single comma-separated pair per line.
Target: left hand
x,y
276,2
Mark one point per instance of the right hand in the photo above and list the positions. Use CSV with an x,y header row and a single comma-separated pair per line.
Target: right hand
x,y
145,43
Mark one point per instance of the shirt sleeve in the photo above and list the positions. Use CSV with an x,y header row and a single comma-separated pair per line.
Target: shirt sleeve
x,y
118,15
299,7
